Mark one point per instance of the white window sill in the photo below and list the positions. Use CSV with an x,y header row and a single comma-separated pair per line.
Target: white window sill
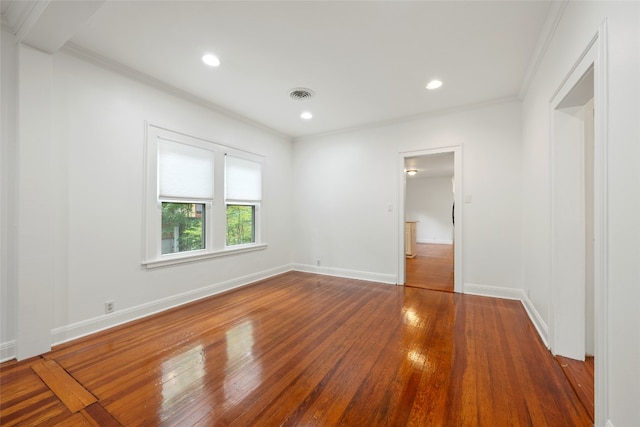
x,y
173,259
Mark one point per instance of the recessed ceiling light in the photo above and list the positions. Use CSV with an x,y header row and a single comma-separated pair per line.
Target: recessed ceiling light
x,y
306,115
210,60
434,84
412,172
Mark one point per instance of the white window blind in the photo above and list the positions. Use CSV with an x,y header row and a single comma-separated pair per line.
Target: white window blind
x,y
185,171
243,179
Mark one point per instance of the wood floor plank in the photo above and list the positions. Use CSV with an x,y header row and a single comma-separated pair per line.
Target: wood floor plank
x,y
581,377
99,417
304,349
63,385
25,400
76,420
432,267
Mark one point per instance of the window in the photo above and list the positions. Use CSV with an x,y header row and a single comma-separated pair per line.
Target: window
x,y
243,193
240,224
182,227
202,199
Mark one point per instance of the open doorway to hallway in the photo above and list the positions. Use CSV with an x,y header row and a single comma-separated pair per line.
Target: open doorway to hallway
x,y
429,221
573,232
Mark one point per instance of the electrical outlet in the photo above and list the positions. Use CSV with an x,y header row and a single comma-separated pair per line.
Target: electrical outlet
x,y
109,306
318,263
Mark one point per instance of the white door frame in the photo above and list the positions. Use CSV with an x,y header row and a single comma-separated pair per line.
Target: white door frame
x,y
594,55
457,161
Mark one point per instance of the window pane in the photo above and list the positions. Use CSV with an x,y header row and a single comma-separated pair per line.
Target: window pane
x,y
182,227
240,224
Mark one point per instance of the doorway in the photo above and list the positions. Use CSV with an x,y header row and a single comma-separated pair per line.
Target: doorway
x,y
429,221
576,193
436,260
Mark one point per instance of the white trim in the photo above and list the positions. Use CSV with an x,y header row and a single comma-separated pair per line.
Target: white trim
x,y
186,257
119,317
556,10
513,294
573,77
459,217
111,65
596,53
601,232
7,351
536,319
215,218
493,291
349,274
435,241
411,118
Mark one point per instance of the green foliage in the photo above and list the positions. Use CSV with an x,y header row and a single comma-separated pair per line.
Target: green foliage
x,y
240,227
188,222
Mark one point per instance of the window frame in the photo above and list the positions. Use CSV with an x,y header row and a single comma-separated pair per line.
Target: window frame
x,y
215,223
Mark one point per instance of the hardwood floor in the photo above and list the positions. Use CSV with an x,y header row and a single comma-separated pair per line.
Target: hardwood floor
x,y
432,268
581,377
304,349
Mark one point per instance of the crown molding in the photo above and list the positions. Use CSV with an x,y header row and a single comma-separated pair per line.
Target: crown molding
x,y
412,118
109,64
556,11
19,16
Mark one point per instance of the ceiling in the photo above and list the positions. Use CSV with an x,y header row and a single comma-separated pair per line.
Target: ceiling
x,y
367,61
431,166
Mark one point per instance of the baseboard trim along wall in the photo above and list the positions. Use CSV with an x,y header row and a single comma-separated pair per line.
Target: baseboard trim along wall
x,y
99,323
514,294
119,317
436,241
7,351
348,274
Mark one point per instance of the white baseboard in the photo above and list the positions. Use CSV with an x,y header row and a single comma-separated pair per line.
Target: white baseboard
x,y
435,241
513,294
492,291
7,351
349,274
99,323
536,319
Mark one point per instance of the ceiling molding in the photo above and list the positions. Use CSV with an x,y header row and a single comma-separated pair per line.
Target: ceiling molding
x,y
146,79
413,117
556,10
54,22
19,16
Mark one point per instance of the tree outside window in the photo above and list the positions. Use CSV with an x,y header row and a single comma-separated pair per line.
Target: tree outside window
x,y
240,224
182,227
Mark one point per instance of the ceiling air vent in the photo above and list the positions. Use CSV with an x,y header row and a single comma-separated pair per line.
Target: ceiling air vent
x,y
301,93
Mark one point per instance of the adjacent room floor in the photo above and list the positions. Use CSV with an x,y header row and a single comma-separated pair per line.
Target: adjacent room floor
x,y
431,268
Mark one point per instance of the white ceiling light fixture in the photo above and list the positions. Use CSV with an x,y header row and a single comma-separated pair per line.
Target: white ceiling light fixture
x,y
210,59
412,172
434,84
306,115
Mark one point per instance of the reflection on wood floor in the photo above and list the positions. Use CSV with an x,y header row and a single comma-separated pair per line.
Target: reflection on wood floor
x,y
432,268
303,349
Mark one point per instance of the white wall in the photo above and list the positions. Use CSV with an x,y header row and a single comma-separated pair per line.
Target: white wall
x,y
429,201
8,120
577,27
97,191
345,184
